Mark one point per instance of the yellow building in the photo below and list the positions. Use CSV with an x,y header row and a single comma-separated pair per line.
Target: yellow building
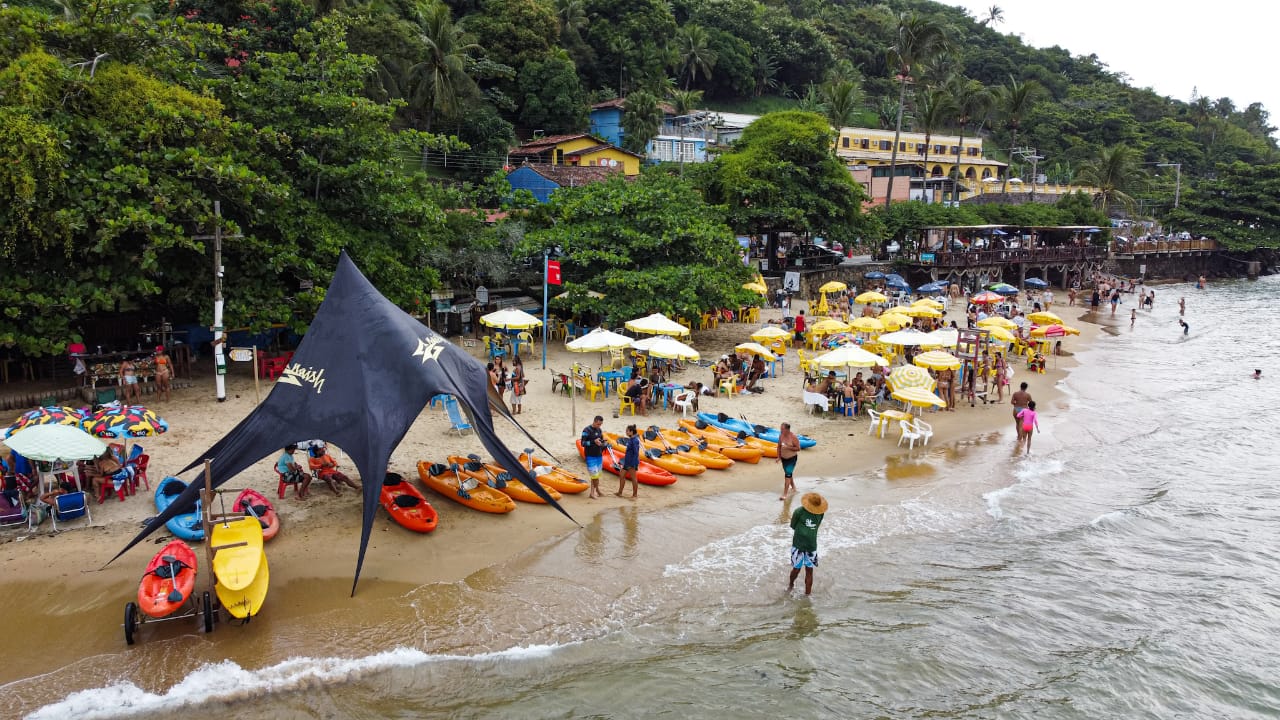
x,y
576,151
936,158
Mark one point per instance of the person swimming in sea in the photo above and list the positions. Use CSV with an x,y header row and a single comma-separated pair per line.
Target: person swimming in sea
x,y
1257,374
1185,327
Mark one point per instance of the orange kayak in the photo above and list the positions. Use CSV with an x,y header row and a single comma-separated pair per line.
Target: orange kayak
x,y
670,462
406,505
647,474
444,480
653,439
173,568
498,478
554,476
701,429
729,448
252,502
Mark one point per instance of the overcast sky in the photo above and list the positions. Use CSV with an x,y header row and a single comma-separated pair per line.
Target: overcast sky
x,y
1222,49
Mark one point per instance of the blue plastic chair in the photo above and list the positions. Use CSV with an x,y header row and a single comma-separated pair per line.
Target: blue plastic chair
x,y
70,506
458,424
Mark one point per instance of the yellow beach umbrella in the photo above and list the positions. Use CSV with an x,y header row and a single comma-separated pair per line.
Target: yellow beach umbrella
x,y
937,360
895,320
867,325
929,303
1044,317
756,349
909,376
921,311
870,296
918,397
510,319
828,327
756,288
997,321
656,324
822,308
999,334
770,333
833,286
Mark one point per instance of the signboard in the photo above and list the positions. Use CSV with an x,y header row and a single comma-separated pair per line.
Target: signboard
x,y
1142,270
926,257
482,295
220,363
242,354
306,284
791,281
444,305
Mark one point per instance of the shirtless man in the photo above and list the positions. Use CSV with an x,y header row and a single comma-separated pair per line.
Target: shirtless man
x,y
1020,399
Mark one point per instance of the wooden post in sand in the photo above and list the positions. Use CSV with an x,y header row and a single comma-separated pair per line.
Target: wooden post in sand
x,y
206,502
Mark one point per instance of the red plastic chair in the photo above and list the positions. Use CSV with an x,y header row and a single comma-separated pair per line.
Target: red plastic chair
x,y
282,485
108,486
141,467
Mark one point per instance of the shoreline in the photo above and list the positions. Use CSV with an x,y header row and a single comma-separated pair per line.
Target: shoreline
x,y
319,539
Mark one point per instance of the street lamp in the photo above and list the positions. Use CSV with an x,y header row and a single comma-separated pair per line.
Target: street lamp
x,y
1177,187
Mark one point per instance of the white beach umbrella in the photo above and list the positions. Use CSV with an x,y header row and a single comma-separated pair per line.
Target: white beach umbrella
x,y
904,337
510,319
657,324
850,356
599,340
661,346
942,337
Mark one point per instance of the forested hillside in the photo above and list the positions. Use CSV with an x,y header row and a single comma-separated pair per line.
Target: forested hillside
x,y
378,126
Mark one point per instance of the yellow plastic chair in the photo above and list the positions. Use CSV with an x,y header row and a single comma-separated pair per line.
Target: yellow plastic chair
x,y
753,315
806,362
728,386
527,342
591,387
625,403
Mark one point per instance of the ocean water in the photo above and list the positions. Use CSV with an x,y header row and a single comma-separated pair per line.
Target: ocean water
x,y
1126,568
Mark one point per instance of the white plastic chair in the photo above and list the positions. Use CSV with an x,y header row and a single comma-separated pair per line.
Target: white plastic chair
x,y
684,401
875,421
924,429
908,433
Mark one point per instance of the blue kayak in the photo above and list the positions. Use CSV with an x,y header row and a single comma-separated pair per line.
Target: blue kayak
x,y
763,432
187,525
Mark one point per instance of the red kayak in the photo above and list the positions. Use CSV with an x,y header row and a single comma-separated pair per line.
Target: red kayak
x,y
406,504
169,580
252,502
648,474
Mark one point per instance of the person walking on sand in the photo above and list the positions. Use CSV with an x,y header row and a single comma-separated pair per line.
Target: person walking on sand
x,y
804,539
1182,306
593,453
1020,400
630,463
1029,423
788,450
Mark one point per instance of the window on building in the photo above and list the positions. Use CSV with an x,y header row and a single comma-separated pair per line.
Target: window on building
x,y
955,149
844,142
559,156
864,143
939,148
973,151
902,147
886,144
921,148
970,174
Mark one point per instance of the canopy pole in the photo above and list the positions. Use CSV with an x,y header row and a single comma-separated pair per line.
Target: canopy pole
x,y
546,267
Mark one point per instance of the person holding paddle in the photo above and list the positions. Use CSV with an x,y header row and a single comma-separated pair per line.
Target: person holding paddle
x,y
630,463
788,450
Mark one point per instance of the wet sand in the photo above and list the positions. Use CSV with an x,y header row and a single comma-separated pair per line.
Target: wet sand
x,y
72,603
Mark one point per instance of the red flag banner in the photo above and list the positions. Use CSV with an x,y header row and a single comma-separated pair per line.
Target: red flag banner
x,y
553,272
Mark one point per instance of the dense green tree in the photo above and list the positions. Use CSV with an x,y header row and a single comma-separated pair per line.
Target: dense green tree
x,y
693,54
933,107
515,32
630,37
781,175
971,101
641,120
1116,175
1239,207
439,82
651,245
552,95
841,102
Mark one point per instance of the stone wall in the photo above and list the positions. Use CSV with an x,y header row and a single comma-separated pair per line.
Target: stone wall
x,y
1176,267
851,275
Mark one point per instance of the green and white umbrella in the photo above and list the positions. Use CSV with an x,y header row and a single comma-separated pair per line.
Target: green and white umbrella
x,y
55,443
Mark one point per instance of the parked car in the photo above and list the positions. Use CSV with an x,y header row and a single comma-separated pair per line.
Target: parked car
x,y
812,256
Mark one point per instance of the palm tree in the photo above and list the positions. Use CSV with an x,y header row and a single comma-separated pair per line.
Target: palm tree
x,y
971,102
933,107
1013,102
693,53
841,100
440,80
995,16
764,71
683,102
641,118
918,37
572,16
1116,175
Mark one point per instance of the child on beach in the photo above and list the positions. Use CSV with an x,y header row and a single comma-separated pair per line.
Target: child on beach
x,y
1029,422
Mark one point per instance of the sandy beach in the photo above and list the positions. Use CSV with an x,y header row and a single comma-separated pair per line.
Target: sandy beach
x,y
313,559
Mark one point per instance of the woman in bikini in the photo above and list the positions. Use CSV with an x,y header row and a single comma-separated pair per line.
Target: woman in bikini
x,y
946,391
129,380
164,372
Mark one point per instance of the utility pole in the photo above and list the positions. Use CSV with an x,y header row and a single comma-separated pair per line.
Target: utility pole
x,y
1029,153
1177,188
219,357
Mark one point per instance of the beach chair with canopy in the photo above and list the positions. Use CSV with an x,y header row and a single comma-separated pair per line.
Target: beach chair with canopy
x,y
456,422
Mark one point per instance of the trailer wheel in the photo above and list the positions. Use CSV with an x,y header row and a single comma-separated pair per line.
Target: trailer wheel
x,y
130,621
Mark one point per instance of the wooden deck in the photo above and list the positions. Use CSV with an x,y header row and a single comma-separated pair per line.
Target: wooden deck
x,y
980,258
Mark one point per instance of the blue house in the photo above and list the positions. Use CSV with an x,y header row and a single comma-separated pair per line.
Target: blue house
x,y
606,121
542,180
681,138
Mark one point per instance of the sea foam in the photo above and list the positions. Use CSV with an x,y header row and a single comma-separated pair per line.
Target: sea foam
x,y
228,682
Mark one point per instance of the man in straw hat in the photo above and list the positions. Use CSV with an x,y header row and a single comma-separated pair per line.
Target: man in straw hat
x,y
804,542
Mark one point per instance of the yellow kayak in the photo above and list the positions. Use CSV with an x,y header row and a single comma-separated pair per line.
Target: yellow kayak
x,y
553,475
240,566
729,448
669,462
446,481
697,427
706,457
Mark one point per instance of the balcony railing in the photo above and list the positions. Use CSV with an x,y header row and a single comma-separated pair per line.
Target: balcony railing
x,y
1140,247
974,258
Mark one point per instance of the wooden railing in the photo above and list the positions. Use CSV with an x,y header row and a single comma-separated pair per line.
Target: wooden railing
x,y
1162,246
1000,257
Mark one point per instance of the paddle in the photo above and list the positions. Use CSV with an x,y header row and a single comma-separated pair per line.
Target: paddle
x,y
462,483
496,480
617,466
174,594
760,429
251,511
657,432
